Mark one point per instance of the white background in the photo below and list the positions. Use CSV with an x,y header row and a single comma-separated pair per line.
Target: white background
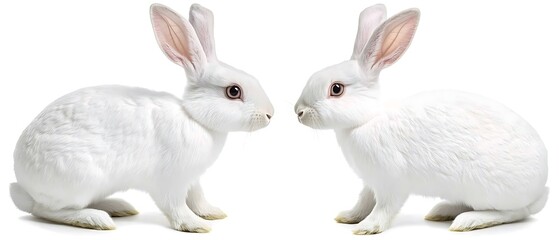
x,y
285,181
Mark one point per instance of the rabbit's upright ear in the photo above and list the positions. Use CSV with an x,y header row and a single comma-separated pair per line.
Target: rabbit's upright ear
x,y
177,39
389,41
369,20
202,19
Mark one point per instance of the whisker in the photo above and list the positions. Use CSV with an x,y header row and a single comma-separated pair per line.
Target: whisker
x,y
316,123
246,139
252,123
248,134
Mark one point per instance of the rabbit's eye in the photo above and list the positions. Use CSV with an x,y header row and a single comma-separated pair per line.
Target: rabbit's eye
x,y
233,92
336,90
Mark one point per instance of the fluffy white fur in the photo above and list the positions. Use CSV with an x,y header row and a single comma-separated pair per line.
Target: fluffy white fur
x,y
487,162
97,141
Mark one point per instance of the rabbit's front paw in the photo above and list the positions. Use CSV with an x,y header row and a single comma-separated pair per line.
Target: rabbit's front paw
x,y
195,226
349,217
115,207
446,211
370,226
210,212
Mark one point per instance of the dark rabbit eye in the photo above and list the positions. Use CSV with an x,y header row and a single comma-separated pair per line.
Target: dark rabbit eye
x,y
336,90
233,92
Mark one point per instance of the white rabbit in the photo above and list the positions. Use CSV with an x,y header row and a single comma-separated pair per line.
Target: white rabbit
x,y
97,141
488,163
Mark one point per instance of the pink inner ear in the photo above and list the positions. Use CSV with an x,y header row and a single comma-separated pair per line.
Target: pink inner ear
x,y
172,34
175,33
396,40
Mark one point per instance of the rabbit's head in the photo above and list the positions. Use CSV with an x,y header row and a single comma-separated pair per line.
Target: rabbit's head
x,y
346,94
217,95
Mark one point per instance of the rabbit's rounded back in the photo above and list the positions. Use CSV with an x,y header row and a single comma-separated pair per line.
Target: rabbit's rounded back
x,y
429,146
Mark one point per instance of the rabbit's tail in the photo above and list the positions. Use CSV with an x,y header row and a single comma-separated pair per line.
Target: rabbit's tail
x,y
21,198
538,205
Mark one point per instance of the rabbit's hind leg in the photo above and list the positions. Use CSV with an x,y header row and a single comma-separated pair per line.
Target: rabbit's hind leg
x,y
483,219
85,218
